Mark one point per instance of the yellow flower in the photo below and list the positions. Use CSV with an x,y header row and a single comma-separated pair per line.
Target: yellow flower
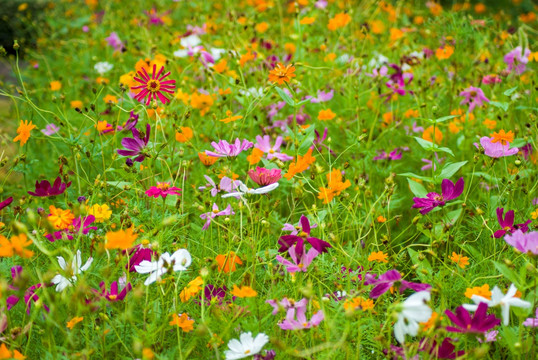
x,y
460,260
55,85
121,239
191,289
59,218
534,214
378,256
100,212
71,323
358,303
24,131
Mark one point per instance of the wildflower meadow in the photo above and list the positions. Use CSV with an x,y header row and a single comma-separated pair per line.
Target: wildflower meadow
x,y
269,179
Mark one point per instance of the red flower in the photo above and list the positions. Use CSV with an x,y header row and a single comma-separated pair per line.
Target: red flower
x,y
154,86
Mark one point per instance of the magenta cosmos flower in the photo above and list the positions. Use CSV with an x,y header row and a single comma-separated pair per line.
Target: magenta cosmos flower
x,y
138,254
525,243
516,60
299,263
478,324
43,188
497,149
6,202
507,224
29,295
163,189
432,200
113,295
473,97
79,226
272,151
136,144
224,148
263,176
385,281
286,241
153,87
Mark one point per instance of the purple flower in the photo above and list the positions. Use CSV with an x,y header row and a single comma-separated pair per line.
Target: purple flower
x,y
516,61
507,224
137,254
136,145
212,292
286,304
78,227
29,295
224,149
113,295
381,72
525,243
430,163
490,336
318,144
387,280
322,97
286,241
443,351
50,129
264,144
269,355
299,263
296,319
214,213
44,188
478,324
395,154
496,149
398,81
114,40
474,97
6,202
432,200
526,150
532,322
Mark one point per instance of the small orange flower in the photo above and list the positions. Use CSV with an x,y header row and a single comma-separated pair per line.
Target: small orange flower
x,y
326,114
110,99
261,27
490,124
15,246
185,135
281,74
444,53
378,256
191,289
480,291
202,102
243,292
121,239
76,104
103,126
432,321
5,353
255,156
55,85
24,131
502,137
183,322
227,262
335,186
302,163
381,219
71,323
207,160
230,118
307,20
59,218
428,135
339,21
460,260
358,303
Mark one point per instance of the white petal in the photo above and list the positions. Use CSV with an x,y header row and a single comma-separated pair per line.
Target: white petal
x,y
87,265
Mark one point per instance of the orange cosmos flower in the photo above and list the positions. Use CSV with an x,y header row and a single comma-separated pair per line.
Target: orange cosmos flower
x,y
444,52
191,289
428,135
326,114
121,239
24,131
378,256
339,21
502,137
230,118
255,156
227,262
281,74
207,160
243,292
55,85
15,246
335,186
302,163
71,323
5,353
460,260
59,218
185,135
183,322
480,291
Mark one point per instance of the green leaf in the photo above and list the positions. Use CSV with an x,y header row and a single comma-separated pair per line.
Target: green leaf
x,y
509,274
417,188
518,143
500,105
450,169
444,118
429,146
413,175
120,184
510,91
307,140
285,96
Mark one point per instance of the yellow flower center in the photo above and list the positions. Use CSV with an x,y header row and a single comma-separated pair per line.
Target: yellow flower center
x,y
153,86
247,352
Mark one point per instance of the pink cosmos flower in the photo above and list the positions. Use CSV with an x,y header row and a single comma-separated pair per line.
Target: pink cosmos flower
x,y
497,149
136,145
516,60
214,213
430,163
286,304
322,97
264,144
395,154
114,40
287,241
473,97
384,282
224,149
29,295
507,224
525,243
491,79
153,87
79,226
532,322
50,129
478,324
263,176
450,191
296,319
299,263
163,189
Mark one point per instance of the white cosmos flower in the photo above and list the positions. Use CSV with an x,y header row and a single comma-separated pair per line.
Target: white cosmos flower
x,y
498,298
190,41
103,67
254,92
180,260
246,346
414,310
243,190
75,268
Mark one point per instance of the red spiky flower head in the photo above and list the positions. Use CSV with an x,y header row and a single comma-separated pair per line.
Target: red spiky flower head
x,y
153,86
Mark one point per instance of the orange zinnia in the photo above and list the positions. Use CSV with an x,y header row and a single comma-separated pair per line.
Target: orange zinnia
x,y
281,74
